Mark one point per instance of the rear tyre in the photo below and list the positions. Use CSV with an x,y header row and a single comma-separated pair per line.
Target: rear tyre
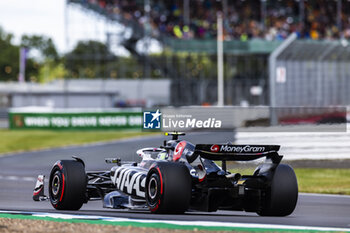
x,y
168,188
67,185
281,197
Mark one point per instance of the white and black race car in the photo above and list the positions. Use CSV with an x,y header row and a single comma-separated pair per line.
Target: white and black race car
x,y
177,177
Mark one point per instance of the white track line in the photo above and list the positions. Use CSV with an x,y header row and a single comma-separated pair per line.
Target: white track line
x,y
181,223
19,178
296,146
324,195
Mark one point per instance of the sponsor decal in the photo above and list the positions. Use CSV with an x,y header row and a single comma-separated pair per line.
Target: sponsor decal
x,y
178,150
83,121
60,122
18,121
59,165
242,149
37,121
66,121
214,148
112,120
130,181
134,120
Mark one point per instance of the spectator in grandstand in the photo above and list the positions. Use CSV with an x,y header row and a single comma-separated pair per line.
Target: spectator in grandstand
x,y
243,20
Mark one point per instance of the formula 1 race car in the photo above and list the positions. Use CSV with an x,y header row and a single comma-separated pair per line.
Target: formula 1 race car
x,y
177,177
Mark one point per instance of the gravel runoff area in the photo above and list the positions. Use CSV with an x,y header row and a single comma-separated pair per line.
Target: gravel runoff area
x,y
41,226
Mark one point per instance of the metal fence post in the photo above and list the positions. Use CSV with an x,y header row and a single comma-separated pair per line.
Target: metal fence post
x,y
272,76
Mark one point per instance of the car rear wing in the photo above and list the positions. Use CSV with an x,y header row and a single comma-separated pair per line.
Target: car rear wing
x,y
229,152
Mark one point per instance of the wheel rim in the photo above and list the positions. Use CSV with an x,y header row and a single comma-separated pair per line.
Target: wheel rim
x,y
153,188
55,185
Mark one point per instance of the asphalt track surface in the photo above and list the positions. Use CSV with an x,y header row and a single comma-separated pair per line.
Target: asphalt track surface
x,y
19,171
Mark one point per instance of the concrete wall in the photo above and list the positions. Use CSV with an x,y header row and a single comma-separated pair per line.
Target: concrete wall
x,y
87,93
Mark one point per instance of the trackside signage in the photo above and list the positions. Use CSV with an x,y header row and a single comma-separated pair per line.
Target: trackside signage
x,y
90,120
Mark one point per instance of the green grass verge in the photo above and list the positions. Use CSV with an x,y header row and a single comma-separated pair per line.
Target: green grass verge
x,y
318,180
323,180
27,140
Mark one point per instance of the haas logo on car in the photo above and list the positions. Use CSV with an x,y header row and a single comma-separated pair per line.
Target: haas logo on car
x,y
214,148
130,181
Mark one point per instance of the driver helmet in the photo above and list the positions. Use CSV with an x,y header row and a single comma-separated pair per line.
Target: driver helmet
x,y
162,155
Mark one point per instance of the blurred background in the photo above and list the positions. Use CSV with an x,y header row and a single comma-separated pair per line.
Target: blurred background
x,y
75,76
87,65
102,54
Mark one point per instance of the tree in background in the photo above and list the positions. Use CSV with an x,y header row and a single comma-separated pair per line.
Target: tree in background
x,y
43,44
89,59
9,57
46,65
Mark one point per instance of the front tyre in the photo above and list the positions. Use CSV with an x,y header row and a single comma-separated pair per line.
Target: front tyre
x,y
168,188
281,196
67,185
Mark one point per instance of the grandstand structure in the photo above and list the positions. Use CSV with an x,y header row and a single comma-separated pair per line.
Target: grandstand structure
x,y
185,32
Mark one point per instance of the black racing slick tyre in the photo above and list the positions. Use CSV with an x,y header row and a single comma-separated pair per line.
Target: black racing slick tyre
x,y
67,185
281,196
168,188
